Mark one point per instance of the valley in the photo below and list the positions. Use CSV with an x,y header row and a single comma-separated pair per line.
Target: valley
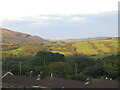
x,y
93,58
91,48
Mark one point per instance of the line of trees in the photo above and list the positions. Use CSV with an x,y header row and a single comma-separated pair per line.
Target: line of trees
x,y
78,67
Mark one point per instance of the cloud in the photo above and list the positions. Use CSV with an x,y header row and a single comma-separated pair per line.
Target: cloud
x,y
20,8
38,19
45,19
15,20
42,23
58,20
77,19
67,26
48,18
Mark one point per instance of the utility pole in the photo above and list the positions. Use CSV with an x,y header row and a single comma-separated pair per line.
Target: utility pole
x,y
31,73
76,70
44,63
20,68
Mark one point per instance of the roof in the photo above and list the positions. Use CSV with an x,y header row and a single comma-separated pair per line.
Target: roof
x,y
19,80
103,84
53,82
47,82
4,73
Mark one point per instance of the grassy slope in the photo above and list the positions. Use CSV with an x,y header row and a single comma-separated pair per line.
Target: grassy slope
x,y
105,55
86,48
100,46
62,52
81,48
15,51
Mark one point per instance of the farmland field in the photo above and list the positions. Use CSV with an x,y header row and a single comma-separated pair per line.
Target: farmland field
x,y
84,48
97,48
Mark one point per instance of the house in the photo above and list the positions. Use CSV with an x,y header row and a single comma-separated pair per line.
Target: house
x,y
10,80
53,82
20,81
5,73
49,82
103,84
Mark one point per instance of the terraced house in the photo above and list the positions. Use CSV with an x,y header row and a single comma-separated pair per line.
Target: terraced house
x,y
16,81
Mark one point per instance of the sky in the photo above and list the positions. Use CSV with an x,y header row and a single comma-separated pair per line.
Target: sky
x,y
60,19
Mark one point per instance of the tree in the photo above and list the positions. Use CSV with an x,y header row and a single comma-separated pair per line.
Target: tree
x,y
79,77
60,69
107,67
43,71
44,57
111,65
95,71
84,61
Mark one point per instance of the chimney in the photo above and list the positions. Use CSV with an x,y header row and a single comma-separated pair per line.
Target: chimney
x,y
39,77
87,81
110,78
51,75
106,78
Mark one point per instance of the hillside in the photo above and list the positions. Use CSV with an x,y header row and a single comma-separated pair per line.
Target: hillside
x,y
94,48
12,36
81,39
97,47
13,45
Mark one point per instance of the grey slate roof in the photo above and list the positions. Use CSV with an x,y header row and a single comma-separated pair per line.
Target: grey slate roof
x,y
60,83
52,82
104,84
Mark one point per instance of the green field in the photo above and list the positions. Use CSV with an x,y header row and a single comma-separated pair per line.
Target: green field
x,y
84,48
15,52
105,55
65,53
101,46
96,48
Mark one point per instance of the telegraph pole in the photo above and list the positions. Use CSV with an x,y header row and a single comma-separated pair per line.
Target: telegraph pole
x,y
76,70
20,68
44,63
31,73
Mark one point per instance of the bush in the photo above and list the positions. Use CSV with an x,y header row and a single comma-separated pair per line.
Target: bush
x,y
80,77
